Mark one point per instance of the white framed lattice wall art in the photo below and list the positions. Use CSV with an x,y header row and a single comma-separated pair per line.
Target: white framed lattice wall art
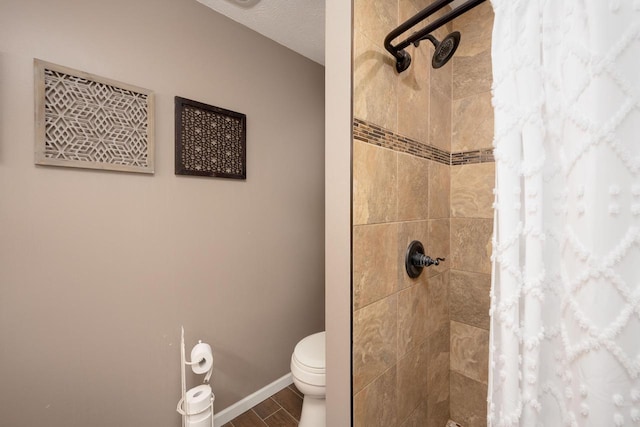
x,y
87,121
210,141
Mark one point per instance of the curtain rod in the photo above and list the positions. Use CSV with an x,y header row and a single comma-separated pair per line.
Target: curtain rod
x,y
403,59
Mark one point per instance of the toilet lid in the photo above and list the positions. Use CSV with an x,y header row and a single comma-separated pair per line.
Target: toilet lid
x,y
310,351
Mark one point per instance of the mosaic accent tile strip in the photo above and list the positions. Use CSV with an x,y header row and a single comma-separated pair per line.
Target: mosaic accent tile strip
x,y
376,135
87,121
373,134
475,156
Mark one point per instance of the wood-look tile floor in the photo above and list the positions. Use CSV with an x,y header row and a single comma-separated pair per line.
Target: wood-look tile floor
x,y
280,410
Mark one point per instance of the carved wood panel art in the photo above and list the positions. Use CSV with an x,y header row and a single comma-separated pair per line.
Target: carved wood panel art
x,y
86,121
210,141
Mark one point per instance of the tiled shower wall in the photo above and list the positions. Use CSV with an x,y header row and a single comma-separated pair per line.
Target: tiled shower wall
x,y
402,141
420,345
471,217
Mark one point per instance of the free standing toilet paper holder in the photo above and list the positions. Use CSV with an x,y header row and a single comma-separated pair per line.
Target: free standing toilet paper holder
x,y
199,367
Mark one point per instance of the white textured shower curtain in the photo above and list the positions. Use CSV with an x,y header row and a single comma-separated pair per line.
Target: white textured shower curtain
x,y
565,331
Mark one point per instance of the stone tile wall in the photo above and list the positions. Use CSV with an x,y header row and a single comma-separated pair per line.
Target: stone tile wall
x,y
400,325
401,179
472,184
422,170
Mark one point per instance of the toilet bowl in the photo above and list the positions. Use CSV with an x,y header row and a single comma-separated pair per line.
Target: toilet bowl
x,y
308,371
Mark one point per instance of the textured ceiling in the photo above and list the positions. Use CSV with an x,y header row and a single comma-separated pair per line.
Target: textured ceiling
x,y
296,24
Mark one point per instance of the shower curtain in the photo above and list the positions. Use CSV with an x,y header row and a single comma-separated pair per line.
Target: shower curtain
x,y
565,328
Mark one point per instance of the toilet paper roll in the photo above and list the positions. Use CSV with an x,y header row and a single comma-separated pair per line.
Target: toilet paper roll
x,y
197,399
201,358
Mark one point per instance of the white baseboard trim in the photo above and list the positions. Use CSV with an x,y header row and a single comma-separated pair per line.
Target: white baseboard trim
x,y
252,400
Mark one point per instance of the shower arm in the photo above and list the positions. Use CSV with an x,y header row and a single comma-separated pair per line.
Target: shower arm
x,y
398,50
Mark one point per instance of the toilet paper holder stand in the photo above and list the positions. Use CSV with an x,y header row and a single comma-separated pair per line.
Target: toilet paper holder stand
x,y
183,400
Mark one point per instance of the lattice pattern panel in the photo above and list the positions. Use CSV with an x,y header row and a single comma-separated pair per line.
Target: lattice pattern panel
x,y
210,141
92,122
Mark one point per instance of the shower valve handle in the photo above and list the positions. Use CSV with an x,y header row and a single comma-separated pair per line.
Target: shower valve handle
x,y
416,260
421,260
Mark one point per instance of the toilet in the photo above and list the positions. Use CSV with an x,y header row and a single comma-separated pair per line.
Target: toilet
x,y
308,371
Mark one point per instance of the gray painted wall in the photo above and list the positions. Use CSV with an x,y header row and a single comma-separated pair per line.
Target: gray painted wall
x,y
98,270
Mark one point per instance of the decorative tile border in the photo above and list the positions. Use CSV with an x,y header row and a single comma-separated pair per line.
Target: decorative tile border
x,y
373,134
376,135
475,156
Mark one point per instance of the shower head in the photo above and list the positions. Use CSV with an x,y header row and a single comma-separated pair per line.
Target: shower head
x,y
444,49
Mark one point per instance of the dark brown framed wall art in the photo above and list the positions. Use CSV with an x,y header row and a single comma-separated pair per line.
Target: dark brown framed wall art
x,y
210,141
